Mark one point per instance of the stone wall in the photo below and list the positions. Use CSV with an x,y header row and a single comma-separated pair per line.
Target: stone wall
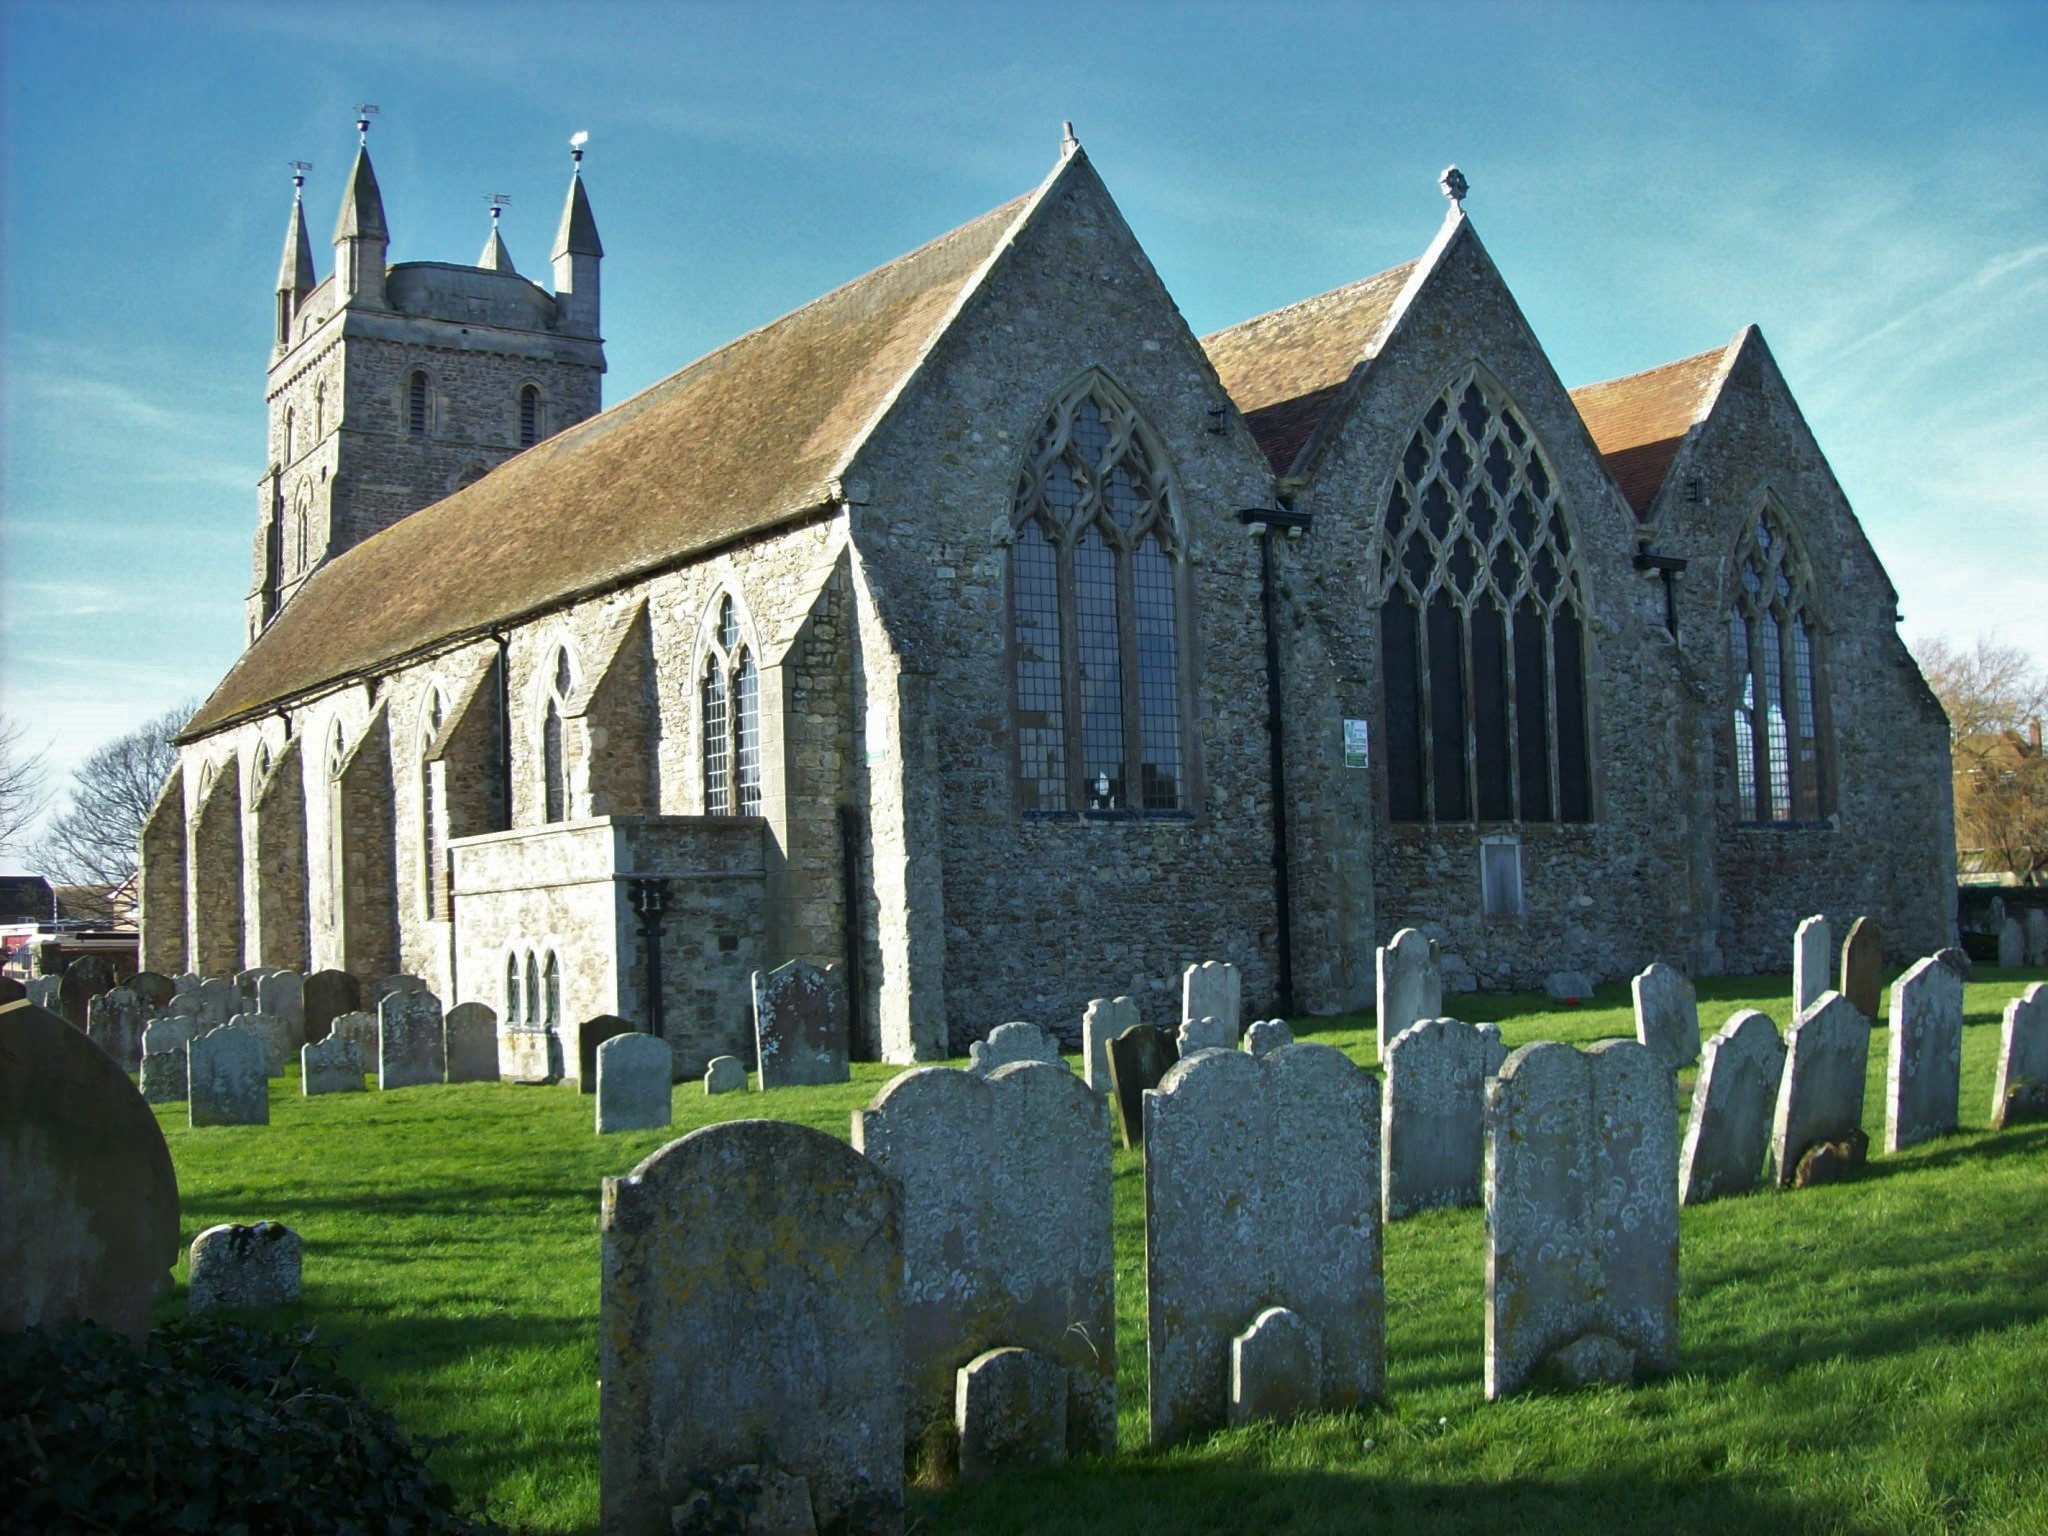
x,y
276,838
214,869
161,883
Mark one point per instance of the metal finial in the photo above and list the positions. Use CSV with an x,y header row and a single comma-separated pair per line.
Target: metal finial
x,y
299,169
364,112
498,202
1068,143
1455,185
576,142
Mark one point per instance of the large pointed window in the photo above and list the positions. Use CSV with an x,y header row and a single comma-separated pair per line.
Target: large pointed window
x,y
1095,604
1772,656
554,755
729,715
1482,624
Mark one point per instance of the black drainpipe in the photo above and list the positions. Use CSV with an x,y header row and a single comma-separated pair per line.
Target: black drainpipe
x,y
504,729
1264,520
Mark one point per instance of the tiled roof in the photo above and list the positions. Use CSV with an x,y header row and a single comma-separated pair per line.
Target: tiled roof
x,y
736,443
1283,369
1638,422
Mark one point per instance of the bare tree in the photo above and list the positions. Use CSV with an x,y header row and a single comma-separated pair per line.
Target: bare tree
x,y
1990,687
94,839
22,791
1995,696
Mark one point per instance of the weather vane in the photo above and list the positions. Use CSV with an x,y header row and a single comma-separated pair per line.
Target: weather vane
x,y
576,142
498,202
364,112
1455,186
299,169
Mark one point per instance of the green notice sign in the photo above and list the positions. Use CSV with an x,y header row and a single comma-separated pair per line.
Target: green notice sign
x,y
1356,751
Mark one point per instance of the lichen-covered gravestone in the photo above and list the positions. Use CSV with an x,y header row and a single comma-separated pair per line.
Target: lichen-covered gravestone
x,y
1813,956
1820,1097
248,988
1207,1033
1863,968
113,1022
154,988
225,1080
470,1036
1105,1019
1262,1189
333,1065
1409,985
1433,1115
1581,1214
1213,990
1729,1133
163,1059
1007,1231
88,1196
800,1025
1667,1014
1010,1410
362,1029
282,995
276,1038
751,1315
326,996
635,1074
1923,1086
411,1049
238,1266
725,1074
2020,1090
1266,1036
1138,1059
1006,1043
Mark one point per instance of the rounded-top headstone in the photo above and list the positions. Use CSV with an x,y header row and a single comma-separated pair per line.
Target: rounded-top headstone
x,y
238,1266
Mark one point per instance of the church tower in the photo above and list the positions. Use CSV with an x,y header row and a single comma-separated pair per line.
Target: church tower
x,y
392,386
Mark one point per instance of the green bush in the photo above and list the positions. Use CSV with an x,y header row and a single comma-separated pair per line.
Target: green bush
x,y
212,1426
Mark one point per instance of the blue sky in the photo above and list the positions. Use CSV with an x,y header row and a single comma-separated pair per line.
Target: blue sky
x,y
1868,183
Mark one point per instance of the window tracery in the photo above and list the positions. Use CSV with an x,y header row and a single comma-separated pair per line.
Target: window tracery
x,y
729,714
554,757
1772,657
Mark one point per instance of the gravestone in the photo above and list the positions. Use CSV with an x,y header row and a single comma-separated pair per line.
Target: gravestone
x,y
218,1001
1138,1059
1729,1133
1863,968
88,1195
2012,944
1204,1034
1568,986
2020,1089
333,1065
1923,1083
751,1311
1276,1368
1105,1019
186,1006
185,981
113,1022
163,1060
154,988
591,1035
1410,986
635,1074
225,1081
238,1266
248,988
1262,1189
1581,1212
84,979
282,995
1667,1015
470,1043
42,992
1012,1042
1007,1232
411,1048
361,1028
800,1025
1820,1097
1010,1412
1433,1116
2037,936
1213,990
1958,961
529,1053
725,1074
1267,1036
1813,956
326,996
277,1046
393,986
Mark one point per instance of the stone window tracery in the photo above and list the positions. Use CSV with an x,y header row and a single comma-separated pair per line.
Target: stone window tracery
x,y
1482,623
729,714
554,756
1096,615
551,996
533,1014
1772,657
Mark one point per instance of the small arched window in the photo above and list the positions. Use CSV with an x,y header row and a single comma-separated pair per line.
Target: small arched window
x,y
729,696
554,758
290,435
551,993
302,522
433,835
533,1014
529,416
512,1014
319,411
416,403
1773,660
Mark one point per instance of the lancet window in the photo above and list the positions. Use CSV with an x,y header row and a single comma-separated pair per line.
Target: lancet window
x,y
417,415
1774,663
529,416
433,835
512,988
554,755
729,714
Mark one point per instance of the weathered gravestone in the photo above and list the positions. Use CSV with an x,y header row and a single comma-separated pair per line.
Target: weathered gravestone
x,y
1820,1097
154,988
333,1065
1204,1034
2020,1089
1433,1115
411,1049
800,1025
113,1022
2012,944
185,981
1581,1214
635,1074
42,992
218,1002
1105,1019
1923,1084
360,1028
88,1196
1010,1410
725,1074
2037,936
163,1059
276,1038
238,1266
1276,1368
1012,1042
282,995
1007,1232
248,988
591,1035
1262,1189
1813,957
1667,1015
1267,1036
529,1053
1213,990
470,1043
751,1316
84,979
225,1080
186,1006
1863,968
1139,1059
392,986
326,996
1958,961
1729,1133
1409,985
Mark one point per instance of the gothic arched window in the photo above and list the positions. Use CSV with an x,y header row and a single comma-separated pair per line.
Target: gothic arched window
x,y
319,411
554,757
290,435
529,416
551,995
302,519
433,835
416,405
1773,660
1095,603
512,1014
1482,624
533,1015
729,712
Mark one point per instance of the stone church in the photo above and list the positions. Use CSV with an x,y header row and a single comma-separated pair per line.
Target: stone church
x,y
981,631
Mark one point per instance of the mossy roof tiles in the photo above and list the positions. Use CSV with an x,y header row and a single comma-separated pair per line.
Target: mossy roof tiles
x,y
1639,422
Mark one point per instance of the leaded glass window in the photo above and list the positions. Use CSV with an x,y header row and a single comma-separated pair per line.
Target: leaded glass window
x,y
1095,603
1779,772
512,1015
1482,623
729,699
554,755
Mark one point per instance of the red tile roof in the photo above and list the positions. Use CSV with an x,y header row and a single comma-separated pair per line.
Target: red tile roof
x,y
1638,422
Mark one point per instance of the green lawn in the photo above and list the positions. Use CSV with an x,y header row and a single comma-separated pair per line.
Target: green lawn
x,y
1866,1358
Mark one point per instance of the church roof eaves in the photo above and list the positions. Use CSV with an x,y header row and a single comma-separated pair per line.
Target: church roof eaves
x,y
1640,421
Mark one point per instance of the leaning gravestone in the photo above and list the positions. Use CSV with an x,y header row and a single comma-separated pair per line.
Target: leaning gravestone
x,y
1813,946
470,1036
1213,990
1012,1042
1106,1018
276,1038
154,988
2020,1090
1007,1232
1667,1015
411,1049
361,1028
282,995
800,1025
635,1074
326,996
1262,1190
591,1035
725,1074
163,1060
2012,945
333,1065
1923,1086
1820,1097
1863,967
1138,1059
225,1081
751,1315
1204,1034
83,980
218,1001
1267,1036
1581,1214
1010,1410
1730,1130
1433,1115
113,1022
88,1195
1409,986
238,1266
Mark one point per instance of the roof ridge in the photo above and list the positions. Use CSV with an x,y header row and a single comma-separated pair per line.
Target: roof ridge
x,y
1314,298
1692,359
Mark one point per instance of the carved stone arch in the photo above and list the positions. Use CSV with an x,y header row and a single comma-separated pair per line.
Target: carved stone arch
x,y
468,475
725,680
1780,726
214,865
553,690
1052,439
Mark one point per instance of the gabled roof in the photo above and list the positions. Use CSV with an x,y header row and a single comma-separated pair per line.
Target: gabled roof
x,y
1639,422
747,438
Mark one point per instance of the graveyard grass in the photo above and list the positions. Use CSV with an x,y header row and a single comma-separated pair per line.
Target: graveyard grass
x,y
1862,1359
